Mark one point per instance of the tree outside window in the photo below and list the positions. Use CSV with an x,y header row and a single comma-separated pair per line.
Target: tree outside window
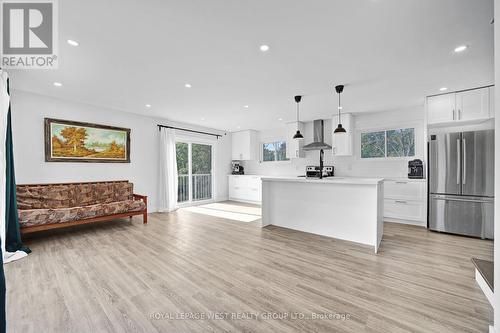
x,y
389,143
274,151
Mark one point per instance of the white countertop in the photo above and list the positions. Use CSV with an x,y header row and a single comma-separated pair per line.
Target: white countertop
x,y
401,179
327,180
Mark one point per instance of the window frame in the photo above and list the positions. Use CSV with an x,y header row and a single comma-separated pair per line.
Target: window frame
x,y
273,141
416,138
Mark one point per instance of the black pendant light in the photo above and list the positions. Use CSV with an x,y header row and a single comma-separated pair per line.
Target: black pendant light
x,y
339,128
298,135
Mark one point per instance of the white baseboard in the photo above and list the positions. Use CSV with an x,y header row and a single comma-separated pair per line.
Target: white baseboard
x,y
484,287
246,201
492,329
410,222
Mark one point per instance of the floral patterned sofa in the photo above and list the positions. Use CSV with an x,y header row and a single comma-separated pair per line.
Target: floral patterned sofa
x,y
50,206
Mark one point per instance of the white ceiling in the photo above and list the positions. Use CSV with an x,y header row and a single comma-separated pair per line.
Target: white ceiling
x,y
389,53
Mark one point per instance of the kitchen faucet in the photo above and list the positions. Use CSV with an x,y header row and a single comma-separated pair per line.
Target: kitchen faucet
x,y
321,156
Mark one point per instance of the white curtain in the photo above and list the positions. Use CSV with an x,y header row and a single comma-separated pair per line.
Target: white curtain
x,y
168,171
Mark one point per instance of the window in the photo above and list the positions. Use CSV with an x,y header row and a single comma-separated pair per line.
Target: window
x,y
388,143
274,151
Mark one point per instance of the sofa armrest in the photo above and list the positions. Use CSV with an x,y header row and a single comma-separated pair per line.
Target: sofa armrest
x,y
141,197
144,198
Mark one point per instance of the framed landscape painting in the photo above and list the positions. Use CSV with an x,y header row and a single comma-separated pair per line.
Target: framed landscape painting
x,y
71,141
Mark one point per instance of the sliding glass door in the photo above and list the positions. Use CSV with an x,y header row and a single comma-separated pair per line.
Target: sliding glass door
x,y
194,166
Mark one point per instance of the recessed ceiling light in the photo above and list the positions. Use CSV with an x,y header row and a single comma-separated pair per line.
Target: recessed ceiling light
x,y
264,48
187,85
238,127
148,105
443,89
58,84
202,118
461,48
246,106
280,119
73,42
340,108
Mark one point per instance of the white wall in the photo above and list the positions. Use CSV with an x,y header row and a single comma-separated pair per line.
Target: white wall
x,y
352,166
28,113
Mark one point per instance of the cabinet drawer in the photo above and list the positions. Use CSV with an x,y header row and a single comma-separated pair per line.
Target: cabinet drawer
x,y
254,194
404,210
405,190
254,182
237,192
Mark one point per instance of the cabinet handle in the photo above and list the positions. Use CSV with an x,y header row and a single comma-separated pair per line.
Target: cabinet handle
x,y
401,202
459,114
401,182
453,114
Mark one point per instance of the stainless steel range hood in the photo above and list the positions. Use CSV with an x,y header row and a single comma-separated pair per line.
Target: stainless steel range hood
x,y
318,137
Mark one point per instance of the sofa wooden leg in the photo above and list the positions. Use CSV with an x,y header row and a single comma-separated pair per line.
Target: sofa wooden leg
x,y
145,218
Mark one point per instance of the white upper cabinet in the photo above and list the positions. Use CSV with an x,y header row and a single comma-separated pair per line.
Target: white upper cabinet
x,y
466,106
293,146
342,144
441,109
473,104
244,145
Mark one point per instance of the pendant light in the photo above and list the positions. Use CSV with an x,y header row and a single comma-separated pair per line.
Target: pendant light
x,y
298,135
339,128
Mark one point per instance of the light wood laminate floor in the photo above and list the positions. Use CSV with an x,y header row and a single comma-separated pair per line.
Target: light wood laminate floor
x,y
124,276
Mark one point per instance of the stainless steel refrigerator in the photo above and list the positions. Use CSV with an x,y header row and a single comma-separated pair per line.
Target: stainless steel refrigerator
x,y
461,171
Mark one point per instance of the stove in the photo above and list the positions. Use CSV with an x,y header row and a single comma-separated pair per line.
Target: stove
x,y
312,171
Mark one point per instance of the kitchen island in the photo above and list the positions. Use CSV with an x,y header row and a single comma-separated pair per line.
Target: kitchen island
x,y
344,208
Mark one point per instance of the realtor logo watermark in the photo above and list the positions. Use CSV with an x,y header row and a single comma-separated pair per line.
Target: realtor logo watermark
x,y
29,38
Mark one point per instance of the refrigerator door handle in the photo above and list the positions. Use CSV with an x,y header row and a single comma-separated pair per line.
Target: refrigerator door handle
x,y
464,154
478,200
458,161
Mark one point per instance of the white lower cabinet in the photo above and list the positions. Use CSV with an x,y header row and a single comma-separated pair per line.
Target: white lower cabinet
x,y
405,201
404,210
245,188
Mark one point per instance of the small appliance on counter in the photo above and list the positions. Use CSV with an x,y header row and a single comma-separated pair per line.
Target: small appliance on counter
x,y
314,171
237,168
416,169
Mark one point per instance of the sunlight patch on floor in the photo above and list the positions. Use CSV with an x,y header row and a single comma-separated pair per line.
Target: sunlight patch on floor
x,y
230,211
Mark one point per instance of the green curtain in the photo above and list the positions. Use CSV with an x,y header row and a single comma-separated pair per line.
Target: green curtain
x,y
12,234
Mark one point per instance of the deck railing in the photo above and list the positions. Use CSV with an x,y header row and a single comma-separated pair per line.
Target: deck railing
x,y
202,187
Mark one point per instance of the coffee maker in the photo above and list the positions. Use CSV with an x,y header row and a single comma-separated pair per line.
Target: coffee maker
x,y
415,169
237,168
